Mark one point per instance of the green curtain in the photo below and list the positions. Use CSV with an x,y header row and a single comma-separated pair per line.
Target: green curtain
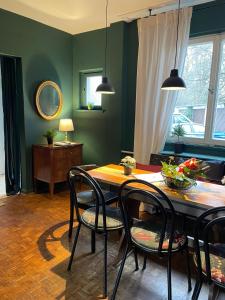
x,y
12,100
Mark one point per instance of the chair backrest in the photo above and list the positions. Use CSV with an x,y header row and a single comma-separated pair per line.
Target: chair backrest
x,y
88,167
210,241
156,159
148,193
77,174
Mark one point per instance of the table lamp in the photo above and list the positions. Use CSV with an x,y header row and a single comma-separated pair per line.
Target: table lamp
x,y
66,125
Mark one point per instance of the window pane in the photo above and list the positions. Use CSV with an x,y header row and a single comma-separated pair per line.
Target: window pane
x,y
219,124
91,85
191,105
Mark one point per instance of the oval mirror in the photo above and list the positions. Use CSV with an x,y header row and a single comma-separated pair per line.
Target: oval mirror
x,y
49,100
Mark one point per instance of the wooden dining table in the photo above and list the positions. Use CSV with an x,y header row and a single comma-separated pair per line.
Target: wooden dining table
x,y
191,202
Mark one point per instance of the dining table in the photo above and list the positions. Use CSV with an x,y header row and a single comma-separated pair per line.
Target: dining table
x,y
192,202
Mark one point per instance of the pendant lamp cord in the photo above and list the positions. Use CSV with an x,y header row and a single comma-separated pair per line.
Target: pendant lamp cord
x,y
178,23
106,34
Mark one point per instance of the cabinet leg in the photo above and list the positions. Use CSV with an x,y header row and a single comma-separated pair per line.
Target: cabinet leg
x,y
35,185
51,188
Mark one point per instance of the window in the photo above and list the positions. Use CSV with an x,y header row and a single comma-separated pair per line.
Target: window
x,y
89,81
200,109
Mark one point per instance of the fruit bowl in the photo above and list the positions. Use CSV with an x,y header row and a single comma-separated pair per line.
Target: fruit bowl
x,y
174,183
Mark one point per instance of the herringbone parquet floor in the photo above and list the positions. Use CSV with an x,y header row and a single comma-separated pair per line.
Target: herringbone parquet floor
x,y
34,252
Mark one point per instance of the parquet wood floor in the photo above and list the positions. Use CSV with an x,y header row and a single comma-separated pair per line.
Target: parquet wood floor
x,y
34,252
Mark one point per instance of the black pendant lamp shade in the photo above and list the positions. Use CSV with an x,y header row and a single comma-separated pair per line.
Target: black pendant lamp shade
x,y
174,82
105,87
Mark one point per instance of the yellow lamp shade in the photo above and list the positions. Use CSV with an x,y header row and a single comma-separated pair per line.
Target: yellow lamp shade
x,y
66,125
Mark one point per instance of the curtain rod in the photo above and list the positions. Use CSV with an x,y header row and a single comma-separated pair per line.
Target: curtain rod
x,y
196,9
130,16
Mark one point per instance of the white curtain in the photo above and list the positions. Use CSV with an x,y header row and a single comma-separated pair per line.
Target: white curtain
x,y
154,107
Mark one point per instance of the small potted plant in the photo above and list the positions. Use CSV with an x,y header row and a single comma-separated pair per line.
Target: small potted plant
x,y
178,131
50,134
128,163
90,105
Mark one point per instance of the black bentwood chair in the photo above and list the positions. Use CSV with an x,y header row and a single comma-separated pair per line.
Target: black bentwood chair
x,y
86,200
100,218
151,236
210,251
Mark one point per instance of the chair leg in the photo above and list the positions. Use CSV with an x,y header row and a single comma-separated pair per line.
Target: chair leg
x,y
120,273
188,269
144,263
74,247
136,259
197,289
93,241
120,232
71,220
105,266
169,277
213,292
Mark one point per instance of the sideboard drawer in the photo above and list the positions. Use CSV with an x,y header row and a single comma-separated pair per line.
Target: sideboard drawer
x,y
75,156
60,169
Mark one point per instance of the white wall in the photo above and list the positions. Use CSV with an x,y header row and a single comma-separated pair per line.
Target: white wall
x,y
2,150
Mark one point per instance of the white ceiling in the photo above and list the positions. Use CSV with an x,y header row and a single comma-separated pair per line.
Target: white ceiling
x,y
76,16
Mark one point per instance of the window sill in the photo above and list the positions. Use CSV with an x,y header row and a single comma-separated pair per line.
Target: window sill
x,y
198,151
189,154
90,110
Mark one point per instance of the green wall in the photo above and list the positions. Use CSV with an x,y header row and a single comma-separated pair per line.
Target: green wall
x,y
105,134
208,18
130,55
100,131
46,53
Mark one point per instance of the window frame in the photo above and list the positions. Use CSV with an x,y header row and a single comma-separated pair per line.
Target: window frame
x,y
208,140
83,79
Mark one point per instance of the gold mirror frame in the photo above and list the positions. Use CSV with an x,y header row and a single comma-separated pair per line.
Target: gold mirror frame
x,y
37,99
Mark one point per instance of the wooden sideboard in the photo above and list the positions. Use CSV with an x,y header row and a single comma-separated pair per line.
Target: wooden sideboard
x,y
51,163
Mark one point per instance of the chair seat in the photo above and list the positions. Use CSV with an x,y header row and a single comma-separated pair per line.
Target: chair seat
x,y
217,264
113,218
86,198
147,235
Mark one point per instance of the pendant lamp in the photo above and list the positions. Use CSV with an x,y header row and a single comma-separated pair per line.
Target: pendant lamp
x,y
105,87
174,82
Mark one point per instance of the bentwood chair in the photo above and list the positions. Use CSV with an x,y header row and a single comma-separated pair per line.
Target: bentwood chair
x,y
210,251
86,200
100,218
158,236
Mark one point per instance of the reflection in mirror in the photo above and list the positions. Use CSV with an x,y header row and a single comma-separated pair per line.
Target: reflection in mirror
x,y
49,100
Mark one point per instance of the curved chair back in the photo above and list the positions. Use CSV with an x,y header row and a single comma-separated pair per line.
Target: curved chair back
x,y
87,167
150,194
210,240
77,174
